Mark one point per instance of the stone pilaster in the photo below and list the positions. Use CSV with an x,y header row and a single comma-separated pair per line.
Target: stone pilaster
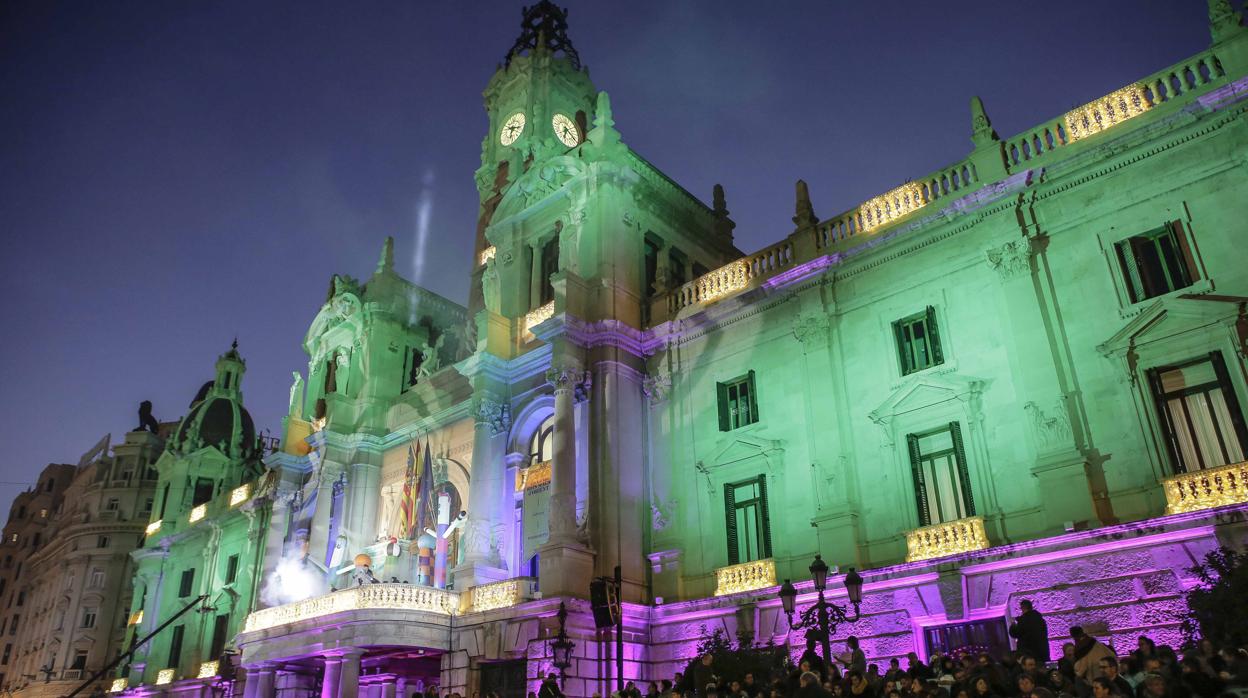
x,y
486,513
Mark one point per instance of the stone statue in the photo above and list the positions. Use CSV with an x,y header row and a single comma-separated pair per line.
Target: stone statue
x,y
146,420
430,358
296,396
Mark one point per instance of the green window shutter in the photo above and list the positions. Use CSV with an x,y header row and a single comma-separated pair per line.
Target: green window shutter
x,y
1167,424
903,354
933,337
1228,394
730,513
920,490
721,391
1130,270
764,525
964,475
753,402
1189,260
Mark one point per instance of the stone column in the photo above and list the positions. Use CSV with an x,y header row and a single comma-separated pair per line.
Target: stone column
x,y
387,689
400,687
562,514
535,277
363,496
252,683
482,564
264,689
332,679
1061,465
349,686
564,562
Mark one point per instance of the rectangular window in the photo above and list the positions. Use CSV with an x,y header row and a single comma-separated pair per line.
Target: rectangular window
x,y
13,624
97,579
147,505
1156,262
749,529
219,635
942,484
1200,415
175,647
21,598
113,504
550,265
80,660
918,341
88,618
738,405
8,650
187,584
101,542
231,569
204,488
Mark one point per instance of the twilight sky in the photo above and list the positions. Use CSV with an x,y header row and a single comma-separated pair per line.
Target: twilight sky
x,y
173,174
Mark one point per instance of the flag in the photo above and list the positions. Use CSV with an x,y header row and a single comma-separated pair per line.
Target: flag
x,y
424,502
405,505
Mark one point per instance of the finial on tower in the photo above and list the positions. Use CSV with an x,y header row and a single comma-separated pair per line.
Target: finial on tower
x,y
386,263
544,26
719,205
1224,20
982,132
603,135
805,212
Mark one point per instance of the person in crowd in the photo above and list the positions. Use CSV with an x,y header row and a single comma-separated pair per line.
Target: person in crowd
x,y
1026,684
982,688
809,687
1063,687
1088,654
1109,672
894,670
1144,648
854,659
704,673
859,687
1066,663
1031,632
1199,682
916,668
549,687
1131,671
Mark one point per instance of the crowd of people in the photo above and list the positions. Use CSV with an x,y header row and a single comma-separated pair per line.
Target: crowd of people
x,y
1087,668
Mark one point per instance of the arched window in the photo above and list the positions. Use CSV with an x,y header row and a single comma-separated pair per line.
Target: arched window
x,y
542,446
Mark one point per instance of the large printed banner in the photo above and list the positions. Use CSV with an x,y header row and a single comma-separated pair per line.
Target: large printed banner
x,y
535,520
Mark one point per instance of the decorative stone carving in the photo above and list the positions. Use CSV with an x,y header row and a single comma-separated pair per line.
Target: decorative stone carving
x,y
811,330
1052,429
657,387
581,389
488,410
296,396
477,538
565,377
1011,259
660,514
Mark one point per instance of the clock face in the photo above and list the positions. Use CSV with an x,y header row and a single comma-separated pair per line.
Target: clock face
x,y
512,129
566,130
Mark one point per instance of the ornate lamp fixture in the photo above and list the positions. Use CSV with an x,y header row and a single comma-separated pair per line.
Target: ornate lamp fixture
x,y
561,647
823,616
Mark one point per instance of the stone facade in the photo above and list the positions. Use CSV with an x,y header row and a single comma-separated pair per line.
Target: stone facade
x,y
975,386
74,587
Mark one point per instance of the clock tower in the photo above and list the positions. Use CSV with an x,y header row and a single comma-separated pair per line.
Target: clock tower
x,y
540,105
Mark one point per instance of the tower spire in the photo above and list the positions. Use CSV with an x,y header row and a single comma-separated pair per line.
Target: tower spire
x,y
544,27
386,263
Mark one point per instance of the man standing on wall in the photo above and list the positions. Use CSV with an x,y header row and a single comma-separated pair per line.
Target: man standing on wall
x,y
1031,632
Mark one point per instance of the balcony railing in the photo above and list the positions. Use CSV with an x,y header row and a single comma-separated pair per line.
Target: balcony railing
x,y
950,538
504,594
1206,489
398,597
748,576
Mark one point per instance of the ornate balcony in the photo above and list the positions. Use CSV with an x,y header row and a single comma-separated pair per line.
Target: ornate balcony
x,y
950,538
537,316
1206,489
504,594
748,576
399,597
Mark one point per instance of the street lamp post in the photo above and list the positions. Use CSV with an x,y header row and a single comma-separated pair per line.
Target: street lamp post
x,y
823,617
561,647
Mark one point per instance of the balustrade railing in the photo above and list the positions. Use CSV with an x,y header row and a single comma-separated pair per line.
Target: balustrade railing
x,y
1182,81
504,594
1206,489
747,576
398,597
949,538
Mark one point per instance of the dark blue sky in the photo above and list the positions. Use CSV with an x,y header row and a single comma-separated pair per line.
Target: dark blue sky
x,y
174,174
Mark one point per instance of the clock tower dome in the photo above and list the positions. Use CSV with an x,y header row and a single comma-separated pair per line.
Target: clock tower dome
x,y
540,104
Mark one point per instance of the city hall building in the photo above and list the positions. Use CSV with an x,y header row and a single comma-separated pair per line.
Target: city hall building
x,y
1019,376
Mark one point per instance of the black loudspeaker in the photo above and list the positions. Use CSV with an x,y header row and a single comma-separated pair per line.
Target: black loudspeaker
x,y
603,601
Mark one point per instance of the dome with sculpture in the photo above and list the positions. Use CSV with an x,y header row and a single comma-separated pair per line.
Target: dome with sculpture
x,y
217,417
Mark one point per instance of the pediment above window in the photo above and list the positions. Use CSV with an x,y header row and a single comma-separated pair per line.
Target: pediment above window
x,y
741,447
1167,318
925,390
